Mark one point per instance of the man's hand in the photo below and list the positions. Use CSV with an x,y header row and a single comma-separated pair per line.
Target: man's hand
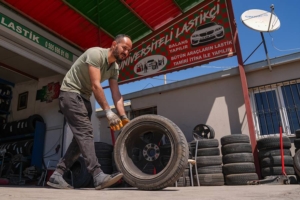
x,y
114,121
124,120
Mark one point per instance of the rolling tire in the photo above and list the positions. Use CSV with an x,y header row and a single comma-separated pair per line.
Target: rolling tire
x,y
136,134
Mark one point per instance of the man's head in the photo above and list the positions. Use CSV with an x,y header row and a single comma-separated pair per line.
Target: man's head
x,y
121,47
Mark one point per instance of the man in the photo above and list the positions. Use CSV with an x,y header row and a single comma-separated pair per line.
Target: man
x,y
94,66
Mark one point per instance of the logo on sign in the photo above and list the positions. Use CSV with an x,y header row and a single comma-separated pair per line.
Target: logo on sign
x,y
150,65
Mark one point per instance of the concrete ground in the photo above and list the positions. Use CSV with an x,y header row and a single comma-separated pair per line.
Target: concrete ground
x,y
253,192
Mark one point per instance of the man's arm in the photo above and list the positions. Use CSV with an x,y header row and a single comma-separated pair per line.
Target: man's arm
x,y
118,100
95,76
116,96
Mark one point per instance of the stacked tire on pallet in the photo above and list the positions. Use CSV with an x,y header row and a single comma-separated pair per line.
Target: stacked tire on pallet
x,y
238,162
209,162
270,157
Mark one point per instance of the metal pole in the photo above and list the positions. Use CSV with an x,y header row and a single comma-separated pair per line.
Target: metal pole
x,y
266,51
245,89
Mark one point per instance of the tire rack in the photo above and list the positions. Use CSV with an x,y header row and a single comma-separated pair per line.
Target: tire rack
x,y
38,145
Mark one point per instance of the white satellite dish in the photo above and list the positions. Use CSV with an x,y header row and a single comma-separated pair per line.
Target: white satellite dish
x,y
260,20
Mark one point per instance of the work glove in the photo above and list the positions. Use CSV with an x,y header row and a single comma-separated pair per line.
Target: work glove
x,y
124,120
114,121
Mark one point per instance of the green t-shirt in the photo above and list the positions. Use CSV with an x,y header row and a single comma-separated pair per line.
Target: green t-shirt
x,y
77,78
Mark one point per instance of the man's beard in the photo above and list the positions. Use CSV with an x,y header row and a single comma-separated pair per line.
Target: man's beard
x,y
117,56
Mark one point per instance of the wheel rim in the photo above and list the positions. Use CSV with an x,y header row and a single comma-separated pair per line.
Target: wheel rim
x,y
148,148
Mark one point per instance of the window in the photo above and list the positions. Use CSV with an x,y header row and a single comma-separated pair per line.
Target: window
x,y
274,105
136,113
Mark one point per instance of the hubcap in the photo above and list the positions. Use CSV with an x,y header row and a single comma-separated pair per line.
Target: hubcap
x,y
151,152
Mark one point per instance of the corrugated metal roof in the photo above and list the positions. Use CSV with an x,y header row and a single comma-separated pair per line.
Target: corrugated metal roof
x,y
97,22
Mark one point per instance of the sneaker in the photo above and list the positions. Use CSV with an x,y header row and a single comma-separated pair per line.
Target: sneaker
x,y
102,180
56,180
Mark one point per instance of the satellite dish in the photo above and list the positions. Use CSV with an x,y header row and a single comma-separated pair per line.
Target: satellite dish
x,y
260,20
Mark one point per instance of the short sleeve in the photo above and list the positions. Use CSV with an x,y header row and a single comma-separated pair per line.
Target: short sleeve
x,y
93,57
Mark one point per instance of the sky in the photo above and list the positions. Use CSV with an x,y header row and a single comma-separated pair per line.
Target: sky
x,y
285,40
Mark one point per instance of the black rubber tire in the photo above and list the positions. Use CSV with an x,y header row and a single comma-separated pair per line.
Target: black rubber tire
x,y
268,171
276,161
103,154
297,143
238,158
178,158
215,151
105,162
297,133
236,148
184,182
240,179
205,143
31,122
101,146
81,177
213,169
273,152
203,161
209,179
297,162
238,168
234,138
273,143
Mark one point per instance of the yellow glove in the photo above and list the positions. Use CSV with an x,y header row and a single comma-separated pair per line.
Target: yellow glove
x,y
124,120
114,121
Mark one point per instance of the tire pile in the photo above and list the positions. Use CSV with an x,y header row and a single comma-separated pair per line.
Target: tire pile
x,y
5,97
297,140
20,127
80,175
270,157
209,162
104,153
238,162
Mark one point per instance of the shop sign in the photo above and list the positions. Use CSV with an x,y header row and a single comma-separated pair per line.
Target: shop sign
x,y
201,35
34,37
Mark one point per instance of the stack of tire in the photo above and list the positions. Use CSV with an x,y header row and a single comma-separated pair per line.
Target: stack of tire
x,y
297,154
23,147
20,127
104,153
270,157
80,177
209,162
297,140
238,162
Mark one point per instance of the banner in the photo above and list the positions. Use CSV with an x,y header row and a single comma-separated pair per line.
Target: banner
x,y
201,35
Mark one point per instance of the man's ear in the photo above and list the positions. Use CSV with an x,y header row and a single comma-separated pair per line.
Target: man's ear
x,y
114,43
